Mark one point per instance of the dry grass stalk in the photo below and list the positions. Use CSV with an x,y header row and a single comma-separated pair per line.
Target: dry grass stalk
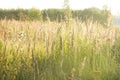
x,y
83,63
28,50
52,45
3,78
72,38
47,43
33,61
5,49
61,44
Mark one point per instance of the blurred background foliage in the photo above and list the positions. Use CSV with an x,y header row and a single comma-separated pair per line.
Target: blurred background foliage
x,y
103,16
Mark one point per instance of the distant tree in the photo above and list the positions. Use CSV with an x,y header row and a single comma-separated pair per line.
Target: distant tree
x,y
44,15
76,14
34,14
53,14
67,11
103,17
107,16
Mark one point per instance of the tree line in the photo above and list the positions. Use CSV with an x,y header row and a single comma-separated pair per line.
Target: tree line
x,y
96,15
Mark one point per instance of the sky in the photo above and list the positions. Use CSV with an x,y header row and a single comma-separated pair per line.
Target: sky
x,y
113,5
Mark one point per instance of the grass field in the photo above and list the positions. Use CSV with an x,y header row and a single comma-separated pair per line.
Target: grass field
x,y
33,50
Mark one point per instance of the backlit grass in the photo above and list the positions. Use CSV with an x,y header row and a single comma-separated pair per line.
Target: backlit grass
x,y
33,50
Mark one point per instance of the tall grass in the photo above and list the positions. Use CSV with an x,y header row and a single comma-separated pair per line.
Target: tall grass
x,y
33,50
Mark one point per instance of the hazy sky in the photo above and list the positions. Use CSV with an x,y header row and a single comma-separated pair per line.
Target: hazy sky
x,y
74,4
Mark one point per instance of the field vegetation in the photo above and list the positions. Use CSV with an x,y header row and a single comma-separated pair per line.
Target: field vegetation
x,y
36,50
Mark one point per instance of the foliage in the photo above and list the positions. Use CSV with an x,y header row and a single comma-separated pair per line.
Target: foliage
x,y
34,14
53,14
96,15
116,53
21,14
103,17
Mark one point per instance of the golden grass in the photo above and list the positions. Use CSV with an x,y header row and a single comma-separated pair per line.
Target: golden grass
x,y
36,45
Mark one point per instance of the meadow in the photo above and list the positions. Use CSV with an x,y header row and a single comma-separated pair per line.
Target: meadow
x,y
34,50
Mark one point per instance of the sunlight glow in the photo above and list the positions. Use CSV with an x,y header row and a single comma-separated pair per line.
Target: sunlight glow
x,y
74,4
